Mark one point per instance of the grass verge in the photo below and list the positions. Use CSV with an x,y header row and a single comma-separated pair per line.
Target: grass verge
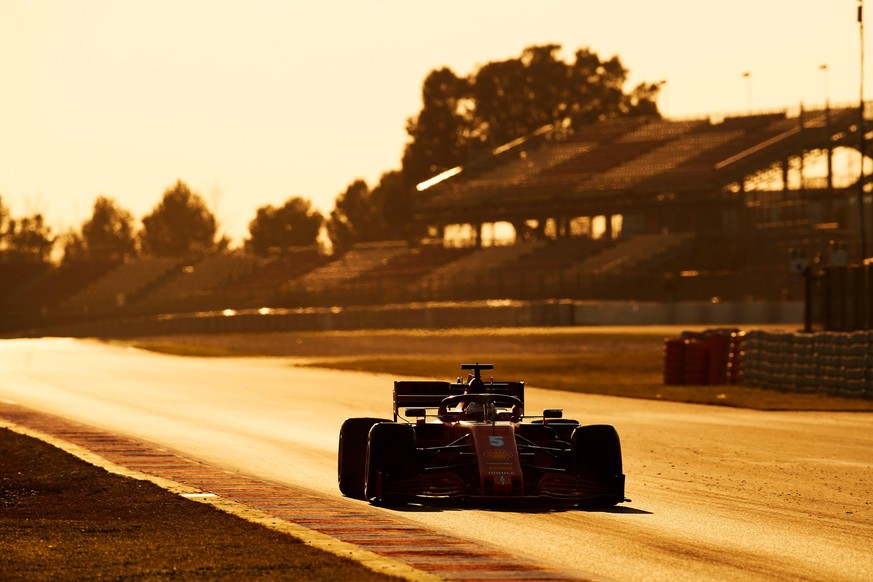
x,y
64,519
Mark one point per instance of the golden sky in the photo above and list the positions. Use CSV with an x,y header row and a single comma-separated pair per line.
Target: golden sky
x,y
253,102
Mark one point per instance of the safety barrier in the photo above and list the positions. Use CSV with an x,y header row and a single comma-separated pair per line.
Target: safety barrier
x,y
839,363
712,357
435,315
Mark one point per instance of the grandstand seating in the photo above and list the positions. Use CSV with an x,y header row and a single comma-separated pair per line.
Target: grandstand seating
x,y
661,130
595,161
456,277
696,157
730,267
399,278
640,154
193,284
529,162
627,253
17,276
780,134
658,160
352,264
113,291
539,274
57,284
261,287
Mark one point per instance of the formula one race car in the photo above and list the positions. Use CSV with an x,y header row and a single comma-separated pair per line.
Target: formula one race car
x,y
473,441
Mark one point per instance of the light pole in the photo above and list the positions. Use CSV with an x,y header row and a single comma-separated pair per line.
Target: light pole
x,y
748,77
863,137
827,91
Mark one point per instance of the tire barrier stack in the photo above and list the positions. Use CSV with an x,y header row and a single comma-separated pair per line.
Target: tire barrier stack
x,y
837,363
713,357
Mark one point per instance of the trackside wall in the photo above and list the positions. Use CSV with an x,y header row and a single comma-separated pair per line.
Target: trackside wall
x,y
439,316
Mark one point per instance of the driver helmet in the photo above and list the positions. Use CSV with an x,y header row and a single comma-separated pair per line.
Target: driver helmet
x,y
478,411
474,411
475,386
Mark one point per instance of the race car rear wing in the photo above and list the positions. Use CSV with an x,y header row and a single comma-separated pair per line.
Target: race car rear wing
x,y
429,394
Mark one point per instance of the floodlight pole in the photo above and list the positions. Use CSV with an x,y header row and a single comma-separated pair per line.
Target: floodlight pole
x,y
863,135
827,91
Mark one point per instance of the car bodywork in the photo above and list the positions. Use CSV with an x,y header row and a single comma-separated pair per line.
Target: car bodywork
x,y
454,440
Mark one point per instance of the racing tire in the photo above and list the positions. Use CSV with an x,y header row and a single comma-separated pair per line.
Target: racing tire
x,y
352,455
597,452
390,454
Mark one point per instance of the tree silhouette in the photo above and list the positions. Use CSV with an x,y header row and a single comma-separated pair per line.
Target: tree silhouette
x,y
109,233
393,202
274,230
355,217
364,215
29,239
181,225
463,117
74,247
442,130
505,100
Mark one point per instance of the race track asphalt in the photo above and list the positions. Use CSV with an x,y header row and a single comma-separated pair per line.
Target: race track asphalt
x,y
717,493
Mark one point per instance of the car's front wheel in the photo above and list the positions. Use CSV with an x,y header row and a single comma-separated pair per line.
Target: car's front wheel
x,y
390,454
352,455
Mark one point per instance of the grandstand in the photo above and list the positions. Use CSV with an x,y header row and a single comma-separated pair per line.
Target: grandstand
x,y
350,265
262,286
401,278
709,181
192,287
56,285
702,209
678,175
114,291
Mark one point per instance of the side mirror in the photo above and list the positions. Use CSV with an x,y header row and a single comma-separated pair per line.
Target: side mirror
x,y
553,413
416,412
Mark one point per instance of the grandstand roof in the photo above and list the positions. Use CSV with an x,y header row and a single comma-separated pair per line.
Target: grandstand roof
x,y
610,166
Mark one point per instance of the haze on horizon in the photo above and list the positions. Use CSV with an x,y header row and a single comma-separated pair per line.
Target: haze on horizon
x,y
250,106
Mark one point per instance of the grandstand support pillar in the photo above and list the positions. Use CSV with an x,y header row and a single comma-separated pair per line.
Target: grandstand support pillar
x,y
478,230
807,299
802,168
608,233
786,167
830,152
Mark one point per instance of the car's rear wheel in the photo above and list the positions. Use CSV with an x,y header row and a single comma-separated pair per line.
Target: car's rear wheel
x,y
390,455
352,456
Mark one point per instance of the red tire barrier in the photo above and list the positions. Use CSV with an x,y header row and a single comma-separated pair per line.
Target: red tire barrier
x,y
674,361
713,357
697,362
